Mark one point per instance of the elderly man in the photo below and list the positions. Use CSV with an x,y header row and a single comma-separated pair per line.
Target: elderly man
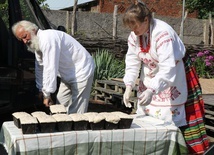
x,y
59,54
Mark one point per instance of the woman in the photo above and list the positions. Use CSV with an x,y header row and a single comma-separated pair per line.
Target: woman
x,y
168,87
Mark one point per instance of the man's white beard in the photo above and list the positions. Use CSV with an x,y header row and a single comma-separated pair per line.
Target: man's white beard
x,y
33,44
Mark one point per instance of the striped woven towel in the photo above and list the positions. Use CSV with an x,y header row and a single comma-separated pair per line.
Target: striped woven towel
x,y
195,132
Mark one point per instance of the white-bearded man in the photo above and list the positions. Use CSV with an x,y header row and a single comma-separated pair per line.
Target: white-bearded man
x,y
59,55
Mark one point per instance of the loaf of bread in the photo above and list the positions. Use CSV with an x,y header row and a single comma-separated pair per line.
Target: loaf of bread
x,y
80,121
90,115
109,117
62,117
58,109
76,117
16,117
38,114
28,120
29,124
111,120
96,121
47,123
125,119
63,122
98,118
20,114
46,119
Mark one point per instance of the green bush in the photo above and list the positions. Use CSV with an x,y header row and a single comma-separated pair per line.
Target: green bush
x,y
107,66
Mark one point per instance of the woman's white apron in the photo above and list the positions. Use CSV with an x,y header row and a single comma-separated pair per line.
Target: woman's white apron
x,y
167,105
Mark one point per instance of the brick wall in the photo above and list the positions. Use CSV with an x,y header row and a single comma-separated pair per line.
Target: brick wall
x,y
160,7
107,6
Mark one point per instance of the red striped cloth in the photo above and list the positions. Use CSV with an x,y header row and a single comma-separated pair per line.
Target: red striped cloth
x,y
194,133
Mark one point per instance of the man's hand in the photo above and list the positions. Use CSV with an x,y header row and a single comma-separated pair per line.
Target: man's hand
x,y
146,97
47,101
126,96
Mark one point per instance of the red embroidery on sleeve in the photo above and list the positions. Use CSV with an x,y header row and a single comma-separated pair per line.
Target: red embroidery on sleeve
x,y
163,42
161,36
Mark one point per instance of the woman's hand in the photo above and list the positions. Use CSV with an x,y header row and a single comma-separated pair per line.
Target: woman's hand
x,y
126,96
146,97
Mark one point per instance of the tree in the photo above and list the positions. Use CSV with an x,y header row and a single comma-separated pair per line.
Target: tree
x,y
205,11
204,7
43,5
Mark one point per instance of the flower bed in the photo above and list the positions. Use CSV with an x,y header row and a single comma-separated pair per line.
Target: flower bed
x,y
203,60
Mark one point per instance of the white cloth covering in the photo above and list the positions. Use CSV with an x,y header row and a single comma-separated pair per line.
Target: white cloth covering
x,y
146,136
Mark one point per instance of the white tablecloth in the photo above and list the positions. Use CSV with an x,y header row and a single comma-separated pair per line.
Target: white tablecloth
x,y
146,136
